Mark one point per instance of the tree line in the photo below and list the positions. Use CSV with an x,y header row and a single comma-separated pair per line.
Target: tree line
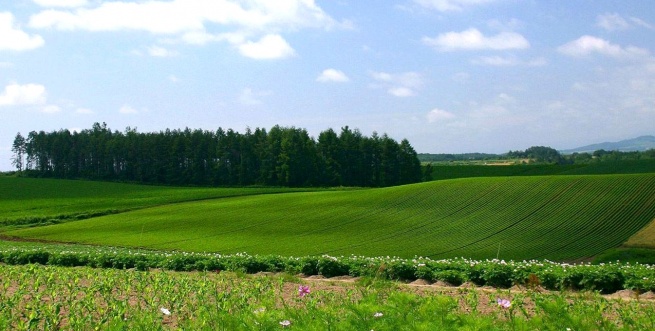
x,y
281,156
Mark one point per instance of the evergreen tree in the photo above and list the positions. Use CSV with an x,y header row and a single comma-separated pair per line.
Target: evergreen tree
x,y
19,148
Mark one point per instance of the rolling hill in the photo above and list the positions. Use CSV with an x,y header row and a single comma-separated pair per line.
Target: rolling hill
x,y
629,145
554,217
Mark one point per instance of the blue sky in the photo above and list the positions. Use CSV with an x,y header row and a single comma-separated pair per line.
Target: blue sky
x,y
451,76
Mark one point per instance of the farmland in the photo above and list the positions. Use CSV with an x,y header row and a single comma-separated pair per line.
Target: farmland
x,y
30,200
105,299
443,171
553,217
158,229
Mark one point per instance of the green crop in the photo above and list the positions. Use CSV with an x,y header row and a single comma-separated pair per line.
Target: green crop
x,y
553,217
36,297
30,201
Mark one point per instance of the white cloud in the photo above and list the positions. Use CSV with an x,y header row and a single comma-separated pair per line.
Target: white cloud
x,y
401,92
332,75
587,45
450,5
192,21
84,111
615,22
641,23
473,39
269,47
399,85
501,61
438,115
612,22
159,51
28,94
506,98
127,109
51,109
12,38
248,97
498,61
61,3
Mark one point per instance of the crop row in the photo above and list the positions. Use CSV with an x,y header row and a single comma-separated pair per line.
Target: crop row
x,y
556,218
605,278
37,297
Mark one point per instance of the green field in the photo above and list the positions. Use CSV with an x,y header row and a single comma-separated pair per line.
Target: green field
x,y
553,217
32,200
442,172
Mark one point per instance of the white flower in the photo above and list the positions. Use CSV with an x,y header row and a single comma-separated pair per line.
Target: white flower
x,y
165,311
285,323
378,314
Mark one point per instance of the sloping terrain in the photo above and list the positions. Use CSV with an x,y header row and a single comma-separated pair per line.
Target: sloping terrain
x,y
553,217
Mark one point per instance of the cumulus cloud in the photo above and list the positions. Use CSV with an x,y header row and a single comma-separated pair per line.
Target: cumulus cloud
x,y
473,39
194,21
269,47
400,85
332,75
450,5
587,45
61,3
28,94
438,115
12,38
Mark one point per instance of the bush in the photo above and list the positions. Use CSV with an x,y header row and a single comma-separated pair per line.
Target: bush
x,y
68,260
331,267
399,270
498,275
452,277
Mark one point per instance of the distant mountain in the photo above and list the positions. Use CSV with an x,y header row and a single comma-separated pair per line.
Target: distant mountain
x,y
637,144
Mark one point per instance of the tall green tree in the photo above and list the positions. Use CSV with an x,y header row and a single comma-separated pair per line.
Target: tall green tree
x,y
19,147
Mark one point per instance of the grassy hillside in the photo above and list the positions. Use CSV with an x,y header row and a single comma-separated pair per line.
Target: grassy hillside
x,y
554,217
30,200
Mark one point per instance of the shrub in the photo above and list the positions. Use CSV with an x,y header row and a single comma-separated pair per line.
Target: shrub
x,y
330,267
452,277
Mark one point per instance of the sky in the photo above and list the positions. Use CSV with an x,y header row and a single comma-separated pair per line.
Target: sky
x,y
451,76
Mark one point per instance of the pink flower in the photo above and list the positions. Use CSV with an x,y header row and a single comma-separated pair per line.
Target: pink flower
x,y
303,290
504,303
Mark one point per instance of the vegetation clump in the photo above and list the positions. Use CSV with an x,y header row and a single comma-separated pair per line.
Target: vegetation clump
x,y
278,157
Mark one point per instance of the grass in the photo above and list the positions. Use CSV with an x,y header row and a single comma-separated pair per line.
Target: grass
x,y
554,217
644,238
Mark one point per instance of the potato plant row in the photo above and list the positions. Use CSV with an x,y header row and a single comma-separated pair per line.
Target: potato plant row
x,y
34,297
603,278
